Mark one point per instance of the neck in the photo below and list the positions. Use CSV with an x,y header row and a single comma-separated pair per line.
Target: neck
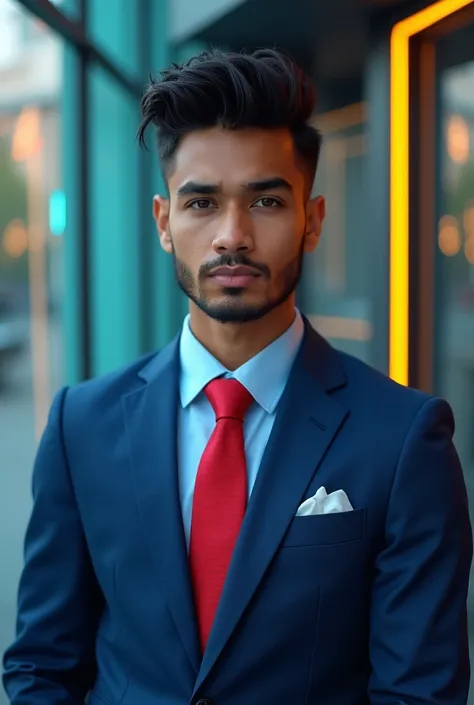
x,y
233,344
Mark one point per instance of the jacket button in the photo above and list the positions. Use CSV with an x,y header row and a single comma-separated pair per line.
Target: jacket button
x,y
204,701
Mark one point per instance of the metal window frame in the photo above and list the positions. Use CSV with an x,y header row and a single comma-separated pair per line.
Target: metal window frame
x,y
437,16
75,33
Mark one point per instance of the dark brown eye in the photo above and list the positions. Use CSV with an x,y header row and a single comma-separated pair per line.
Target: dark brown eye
x,y
267,202
201,204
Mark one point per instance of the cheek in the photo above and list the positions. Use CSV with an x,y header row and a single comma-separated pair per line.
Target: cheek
x,y
189,242
278,234
187,253
279,249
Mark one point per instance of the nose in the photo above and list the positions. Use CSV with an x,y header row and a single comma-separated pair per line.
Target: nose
x,y
234,233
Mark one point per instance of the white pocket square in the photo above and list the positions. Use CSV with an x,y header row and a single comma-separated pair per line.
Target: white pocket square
x,y
324,503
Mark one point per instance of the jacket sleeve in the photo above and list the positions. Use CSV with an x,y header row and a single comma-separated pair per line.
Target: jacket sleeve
x,y
419,637
59,603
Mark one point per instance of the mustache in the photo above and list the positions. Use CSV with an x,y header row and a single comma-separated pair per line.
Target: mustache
x,y
234,260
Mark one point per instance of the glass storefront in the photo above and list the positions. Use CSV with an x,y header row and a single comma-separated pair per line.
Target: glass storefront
x,y
455,276
72,269
32,225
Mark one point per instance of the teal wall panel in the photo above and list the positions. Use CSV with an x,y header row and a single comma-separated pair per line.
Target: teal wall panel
x,y
114,26
168,307
115,240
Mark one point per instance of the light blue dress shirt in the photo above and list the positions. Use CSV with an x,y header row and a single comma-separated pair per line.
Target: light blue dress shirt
x,y
265,377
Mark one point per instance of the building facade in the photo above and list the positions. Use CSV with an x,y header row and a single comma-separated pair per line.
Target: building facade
x,y
84,286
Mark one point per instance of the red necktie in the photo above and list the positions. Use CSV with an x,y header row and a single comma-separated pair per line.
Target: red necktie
x,y
220,499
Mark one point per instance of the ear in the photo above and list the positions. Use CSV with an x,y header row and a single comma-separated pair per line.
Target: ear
x,y
161,214
315,214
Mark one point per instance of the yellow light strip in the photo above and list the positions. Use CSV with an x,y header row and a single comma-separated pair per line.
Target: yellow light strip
x,y
399,172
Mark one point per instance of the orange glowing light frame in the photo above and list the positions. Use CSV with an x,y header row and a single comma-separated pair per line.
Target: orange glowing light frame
x,y
399,182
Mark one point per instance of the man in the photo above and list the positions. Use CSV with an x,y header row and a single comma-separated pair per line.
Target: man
x,y
247,516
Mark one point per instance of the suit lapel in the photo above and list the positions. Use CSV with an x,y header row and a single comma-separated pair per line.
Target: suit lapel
x,y
306,423
151,421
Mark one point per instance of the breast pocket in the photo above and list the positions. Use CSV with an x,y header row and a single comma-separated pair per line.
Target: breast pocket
x,y
326,529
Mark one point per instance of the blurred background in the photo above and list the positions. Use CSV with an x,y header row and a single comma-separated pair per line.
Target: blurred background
x,y
84,287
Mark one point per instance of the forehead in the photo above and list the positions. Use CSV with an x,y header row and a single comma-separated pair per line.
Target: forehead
x,y
236,156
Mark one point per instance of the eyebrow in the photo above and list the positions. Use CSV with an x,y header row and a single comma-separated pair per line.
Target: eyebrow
x,y
270,184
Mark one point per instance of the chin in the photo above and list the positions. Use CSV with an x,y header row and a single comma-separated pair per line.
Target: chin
x,y
231,310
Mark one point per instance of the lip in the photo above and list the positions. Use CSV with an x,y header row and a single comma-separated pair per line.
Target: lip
x,y
237,277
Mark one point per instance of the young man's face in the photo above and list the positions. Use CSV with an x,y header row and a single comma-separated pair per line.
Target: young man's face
x,y
238,221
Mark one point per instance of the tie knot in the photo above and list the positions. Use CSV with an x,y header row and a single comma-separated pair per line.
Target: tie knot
x,y
228,398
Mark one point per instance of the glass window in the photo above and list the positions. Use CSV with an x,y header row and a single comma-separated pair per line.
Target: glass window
x,y
114,26
335,290
455,319
32,233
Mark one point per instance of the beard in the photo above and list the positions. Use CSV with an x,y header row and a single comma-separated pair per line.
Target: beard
x,y
233,308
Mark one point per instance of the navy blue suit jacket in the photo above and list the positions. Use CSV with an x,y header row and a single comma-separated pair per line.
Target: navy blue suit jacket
x,y
367,606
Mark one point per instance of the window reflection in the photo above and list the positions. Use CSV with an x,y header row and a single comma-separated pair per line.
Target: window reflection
x,y
30,272
456,243
455,277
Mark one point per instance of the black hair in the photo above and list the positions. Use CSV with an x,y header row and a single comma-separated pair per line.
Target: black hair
x,y
262,89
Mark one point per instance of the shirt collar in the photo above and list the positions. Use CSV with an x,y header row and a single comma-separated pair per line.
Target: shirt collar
x,y
265,375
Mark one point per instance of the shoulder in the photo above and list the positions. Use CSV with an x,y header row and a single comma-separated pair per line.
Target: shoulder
x,y
363,378
354,383
101,396
116,382
389,403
